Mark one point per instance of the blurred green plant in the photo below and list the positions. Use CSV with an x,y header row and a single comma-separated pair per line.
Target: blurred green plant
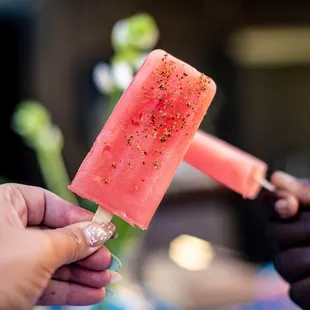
x,y
3,180
132,39
33,123
138,31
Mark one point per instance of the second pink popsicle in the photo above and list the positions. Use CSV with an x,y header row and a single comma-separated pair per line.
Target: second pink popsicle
x,y
232,167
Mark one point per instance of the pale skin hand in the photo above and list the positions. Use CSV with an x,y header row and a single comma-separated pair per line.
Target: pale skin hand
x,y
53,265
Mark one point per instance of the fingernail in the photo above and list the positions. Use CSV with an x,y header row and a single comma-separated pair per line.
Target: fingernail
x,y
109,293
115,277
98,233
115,236
282,207
115,263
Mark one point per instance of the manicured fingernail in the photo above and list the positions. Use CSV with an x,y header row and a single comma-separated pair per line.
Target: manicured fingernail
x,y
115,277
115,236
109,293
115,263
98,233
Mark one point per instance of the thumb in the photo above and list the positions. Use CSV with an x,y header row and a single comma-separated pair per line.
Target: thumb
x,y
77,241
298,188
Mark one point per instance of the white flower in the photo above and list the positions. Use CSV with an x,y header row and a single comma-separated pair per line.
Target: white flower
x,y
120,34
122,74
103,78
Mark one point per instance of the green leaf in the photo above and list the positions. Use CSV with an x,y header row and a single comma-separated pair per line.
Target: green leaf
x,y
138,31
127,54
143,31
3,180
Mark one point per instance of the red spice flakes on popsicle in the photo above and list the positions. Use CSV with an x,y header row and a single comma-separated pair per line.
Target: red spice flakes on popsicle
x,y
202,82
156,164
167,132
129,139
162,88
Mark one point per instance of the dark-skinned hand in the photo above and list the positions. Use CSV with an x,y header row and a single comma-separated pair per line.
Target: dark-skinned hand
x,y
290,233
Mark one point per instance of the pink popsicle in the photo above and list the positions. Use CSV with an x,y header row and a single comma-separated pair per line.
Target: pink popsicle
x,y
234,168
137,153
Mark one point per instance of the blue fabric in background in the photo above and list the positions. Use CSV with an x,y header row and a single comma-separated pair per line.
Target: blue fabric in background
x,y
280,304
123,305
268,305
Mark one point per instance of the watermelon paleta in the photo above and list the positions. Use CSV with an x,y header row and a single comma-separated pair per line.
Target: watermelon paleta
x,y
137,153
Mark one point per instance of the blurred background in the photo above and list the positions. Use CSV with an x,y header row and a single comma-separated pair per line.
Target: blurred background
x,y
73,58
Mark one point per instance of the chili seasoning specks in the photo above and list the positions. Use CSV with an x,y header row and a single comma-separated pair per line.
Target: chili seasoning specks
x,y
156,164
129,139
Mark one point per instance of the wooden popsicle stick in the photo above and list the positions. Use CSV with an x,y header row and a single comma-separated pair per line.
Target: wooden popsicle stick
x,y
267,185
102,215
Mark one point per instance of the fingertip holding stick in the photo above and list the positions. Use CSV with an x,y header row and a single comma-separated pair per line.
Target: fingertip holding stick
x,y
282,208
104,216
287,205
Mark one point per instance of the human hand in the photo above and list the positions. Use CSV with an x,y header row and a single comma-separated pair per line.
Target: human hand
x,y
51,252
290,232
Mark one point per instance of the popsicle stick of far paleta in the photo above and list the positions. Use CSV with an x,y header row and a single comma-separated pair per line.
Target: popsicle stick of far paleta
x,y
266,184
102,215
